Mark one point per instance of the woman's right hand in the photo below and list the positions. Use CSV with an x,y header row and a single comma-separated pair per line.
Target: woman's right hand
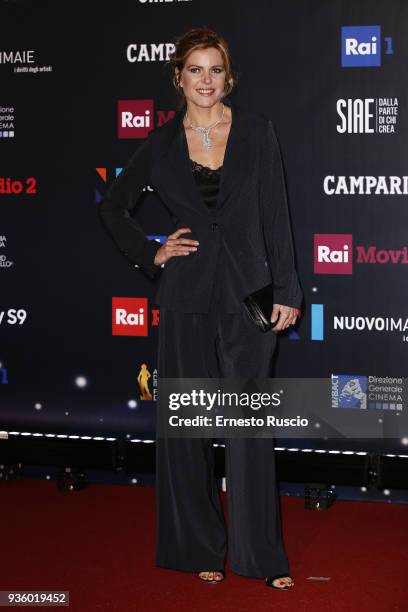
x,y
175,246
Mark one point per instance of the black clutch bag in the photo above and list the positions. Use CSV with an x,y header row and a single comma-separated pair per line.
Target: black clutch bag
x,y
259,306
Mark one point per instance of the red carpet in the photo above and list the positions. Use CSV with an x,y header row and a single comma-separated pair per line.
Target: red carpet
x,y
99,545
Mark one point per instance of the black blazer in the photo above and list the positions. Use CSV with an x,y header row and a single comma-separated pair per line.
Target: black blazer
x,y
250,220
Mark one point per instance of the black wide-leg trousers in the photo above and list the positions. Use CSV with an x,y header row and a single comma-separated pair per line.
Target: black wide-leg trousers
x,y
191,534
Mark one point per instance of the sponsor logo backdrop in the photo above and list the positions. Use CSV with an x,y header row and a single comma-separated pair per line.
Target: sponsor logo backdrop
x,y
82,89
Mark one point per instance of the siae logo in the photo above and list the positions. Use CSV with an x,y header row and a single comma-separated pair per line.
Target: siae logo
x,y
361,46
367,115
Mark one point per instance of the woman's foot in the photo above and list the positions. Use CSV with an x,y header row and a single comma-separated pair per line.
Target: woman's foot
x,y
280,582
212,577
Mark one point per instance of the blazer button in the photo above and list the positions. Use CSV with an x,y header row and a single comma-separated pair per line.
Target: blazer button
x,y
214,226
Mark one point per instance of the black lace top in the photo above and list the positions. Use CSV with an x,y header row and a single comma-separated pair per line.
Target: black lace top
x,y
207,181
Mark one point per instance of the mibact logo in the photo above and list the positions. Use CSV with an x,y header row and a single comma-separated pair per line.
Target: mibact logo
x,y
349,391
135,118
129,316
333,254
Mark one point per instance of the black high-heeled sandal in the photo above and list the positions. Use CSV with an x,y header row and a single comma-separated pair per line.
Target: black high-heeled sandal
x,y
218,571
269,582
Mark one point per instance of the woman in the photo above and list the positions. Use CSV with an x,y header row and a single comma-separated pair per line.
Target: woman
x,y
218,170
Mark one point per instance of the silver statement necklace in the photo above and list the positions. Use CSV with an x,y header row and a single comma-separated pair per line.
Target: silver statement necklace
x,y
206,130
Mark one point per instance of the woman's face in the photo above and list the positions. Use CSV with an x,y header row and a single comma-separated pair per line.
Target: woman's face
x,y
203,77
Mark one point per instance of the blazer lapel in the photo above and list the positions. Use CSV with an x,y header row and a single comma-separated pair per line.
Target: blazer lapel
x,y
235,166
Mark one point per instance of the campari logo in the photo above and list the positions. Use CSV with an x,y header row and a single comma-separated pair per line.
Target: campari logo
x,y
149,52
365,185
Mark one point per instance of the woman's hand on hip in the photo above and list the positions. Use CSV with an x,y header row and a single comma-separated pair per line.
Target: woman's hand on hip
x,y
285,315
175,246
